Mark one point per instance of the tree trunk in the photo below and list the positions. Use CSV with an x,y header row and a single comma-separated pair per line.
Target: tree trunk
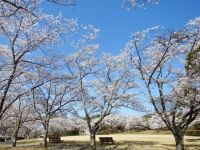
x,y
179,138
14,140
46,132
93,141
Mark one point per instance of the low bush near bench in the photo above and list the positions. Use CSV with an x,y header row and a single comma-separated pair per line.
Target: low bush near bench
x,y
2,139
193,133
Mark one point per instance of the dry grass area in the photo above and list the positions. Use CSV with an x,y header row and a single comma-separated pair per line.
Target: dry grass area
x,y
122,142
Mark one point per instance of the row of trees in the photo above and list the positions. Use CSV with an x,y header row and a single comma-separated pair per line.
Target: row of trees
x,y
39,85
78,126
168,63
39,88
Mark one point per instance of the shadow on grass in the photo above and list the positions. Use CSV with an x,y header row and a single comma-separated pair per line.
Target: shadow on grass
x,y
71,145
122,145
129,145
193,140
187,146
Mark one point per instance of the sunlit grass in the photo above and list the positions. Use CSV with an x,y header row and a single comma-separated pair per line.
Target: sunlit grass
x,y
124,141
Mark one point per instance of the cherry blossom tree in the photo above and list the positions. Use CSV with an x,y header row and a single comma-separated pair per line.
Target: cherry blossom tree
x,y
64,2
20,113
115,121
193,63
125,122
136,123
103,84
128,4
162,64
155,122
12,7
55,94
5,124
24,34
65,125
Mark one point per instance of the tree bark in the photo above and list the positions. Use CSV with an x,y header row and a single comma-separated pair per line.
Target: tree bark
x,y
179,139
14,140
93,140
46,132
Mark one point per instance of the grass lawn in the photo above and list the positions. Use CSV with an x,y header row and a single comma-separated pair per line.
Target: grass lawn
x,y
122,142
149,132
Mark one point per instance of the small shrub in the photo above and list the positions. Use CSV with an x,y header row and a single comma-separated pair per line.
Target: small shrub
x,y
110,131
72,132
8,138
196,126
193,133
20,138
2,139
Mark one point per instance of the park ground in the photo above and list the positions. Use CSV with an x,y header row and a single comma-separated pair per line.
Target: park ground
x,y
125,141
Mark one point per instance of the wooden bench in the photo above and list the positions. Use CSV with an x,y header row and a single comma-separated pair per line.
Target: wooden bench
x,y
106,140
54,138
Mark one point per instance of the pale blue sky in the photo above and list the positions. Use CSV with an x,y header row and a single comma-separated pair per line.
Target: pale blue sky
x,y
116,24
